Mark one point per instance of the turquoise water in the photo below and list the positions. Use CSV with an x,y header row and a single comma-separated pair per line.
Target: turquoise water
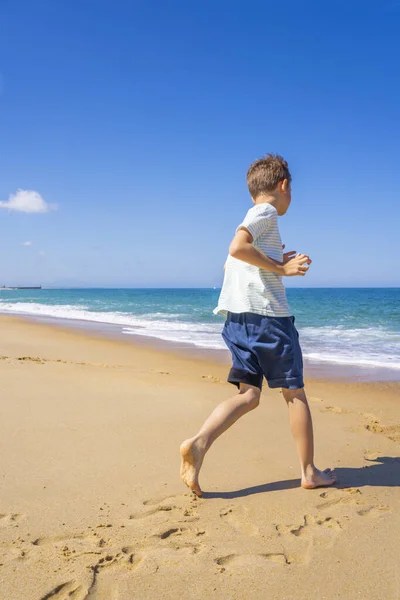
x,y
359,327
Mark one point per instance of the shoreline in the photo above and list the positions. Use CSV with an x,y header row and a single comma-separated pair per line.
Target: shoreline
x,y
312,369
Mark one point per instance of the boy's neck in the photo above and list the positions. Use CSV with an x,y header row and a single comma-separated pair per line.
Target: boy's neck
x,y
266,199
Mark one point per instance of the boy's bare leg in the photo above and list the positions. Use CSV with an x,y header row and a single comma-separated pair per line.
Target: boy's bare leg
x,y
302,430
226,414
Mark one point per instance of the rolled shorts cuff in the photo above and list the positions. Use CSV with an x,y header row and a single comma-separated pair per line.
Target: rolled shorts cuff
x,y
238,376
289,383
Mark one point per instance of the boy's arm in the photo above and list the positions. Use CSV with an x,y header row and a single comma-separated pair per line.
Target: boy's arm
x,y
242,248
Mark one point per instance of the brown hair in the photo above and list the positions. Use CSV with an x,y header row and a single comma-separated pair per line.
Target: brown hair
x,y
265,174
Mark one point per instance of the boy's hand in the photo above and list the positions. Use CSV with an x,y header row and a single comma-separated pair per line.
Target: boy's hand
x,y
288,255
298,265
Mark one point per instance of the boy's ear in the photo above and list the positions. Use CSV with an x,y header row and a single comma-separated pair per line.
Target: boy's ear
x,y
284,186
253,200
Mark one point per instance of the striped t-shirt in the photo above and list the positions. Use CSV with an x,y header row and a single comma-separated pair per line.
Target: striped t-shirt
x,y
247,288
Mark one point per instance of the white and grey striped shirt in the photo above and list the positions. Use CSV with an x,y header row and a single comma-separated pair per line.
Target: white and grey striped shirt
x,y
247,288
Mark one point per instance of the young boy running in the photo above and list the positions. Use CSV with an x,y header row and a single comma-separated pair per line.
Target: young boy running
x,y
259,329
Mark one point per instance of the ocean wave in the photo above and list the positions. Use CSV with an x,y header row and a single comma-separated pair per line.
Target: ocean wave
x,y
373,346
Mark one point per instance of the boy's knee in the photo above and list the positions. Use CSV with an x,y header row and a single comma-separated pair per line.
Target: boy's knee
x,y
251,396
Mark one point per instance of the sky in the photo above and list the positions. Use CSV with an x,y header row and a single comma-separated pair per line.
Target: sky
x,y
127,127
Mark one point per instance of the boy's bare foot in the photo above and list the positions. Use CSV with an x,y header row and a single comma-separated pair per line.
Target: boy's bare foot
x,y
192,459
318,478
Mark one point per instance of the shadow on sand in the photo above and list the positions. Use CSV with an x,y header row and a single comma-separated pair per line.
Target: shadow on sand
x,y
383,471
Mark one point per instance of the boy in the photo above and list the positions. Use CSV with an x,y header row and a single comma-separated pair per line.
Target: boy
x,y
259,329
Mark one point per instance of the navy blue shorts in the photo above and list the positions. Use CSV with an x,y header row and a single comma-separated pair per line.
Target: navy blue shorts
x,y
264,347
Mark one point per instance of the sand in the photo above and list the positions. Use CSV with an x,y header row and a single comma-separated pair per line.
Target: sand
x,y
92,507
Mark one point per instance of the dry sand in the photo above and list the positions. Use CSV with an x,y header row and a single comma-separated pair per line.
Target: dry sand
x,y
92,507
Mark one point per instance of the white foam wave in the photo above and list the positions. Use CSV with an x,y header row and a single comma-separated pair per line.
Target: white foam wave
x,y
163,315
369,347
388,362
64,311
340,332
199,334
211,340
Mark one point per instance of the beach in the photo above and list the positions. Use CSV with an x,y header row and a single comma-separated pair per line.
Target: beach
x,y
92,506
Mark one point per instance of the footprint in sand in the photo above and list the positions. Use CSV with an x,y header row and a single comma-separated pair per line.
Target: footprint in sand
x,y
336,409
71,546
181,537
104,576
351,496
153,511
238,519
373,511
310,522
187,503
10,518
70,590
100,588
68,548
252,560
314,531
10,554
212,378
168,532
373,424
337,497
159,500
103,585
44,541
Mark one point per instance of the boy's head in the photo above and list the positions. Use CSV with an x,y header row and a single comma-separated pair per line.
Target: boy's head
x,y
269,177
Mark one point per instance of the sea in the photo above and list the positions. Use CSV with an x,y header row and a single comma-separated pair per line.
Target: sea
x,y
353,330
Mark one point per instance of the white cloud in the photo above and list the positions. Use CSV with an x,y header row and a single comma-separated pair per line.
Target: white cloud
x,y
27,201
27,244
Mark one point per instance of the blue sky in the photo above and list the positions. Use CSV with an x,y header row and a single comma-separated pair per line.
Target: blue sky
x,y
135,122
